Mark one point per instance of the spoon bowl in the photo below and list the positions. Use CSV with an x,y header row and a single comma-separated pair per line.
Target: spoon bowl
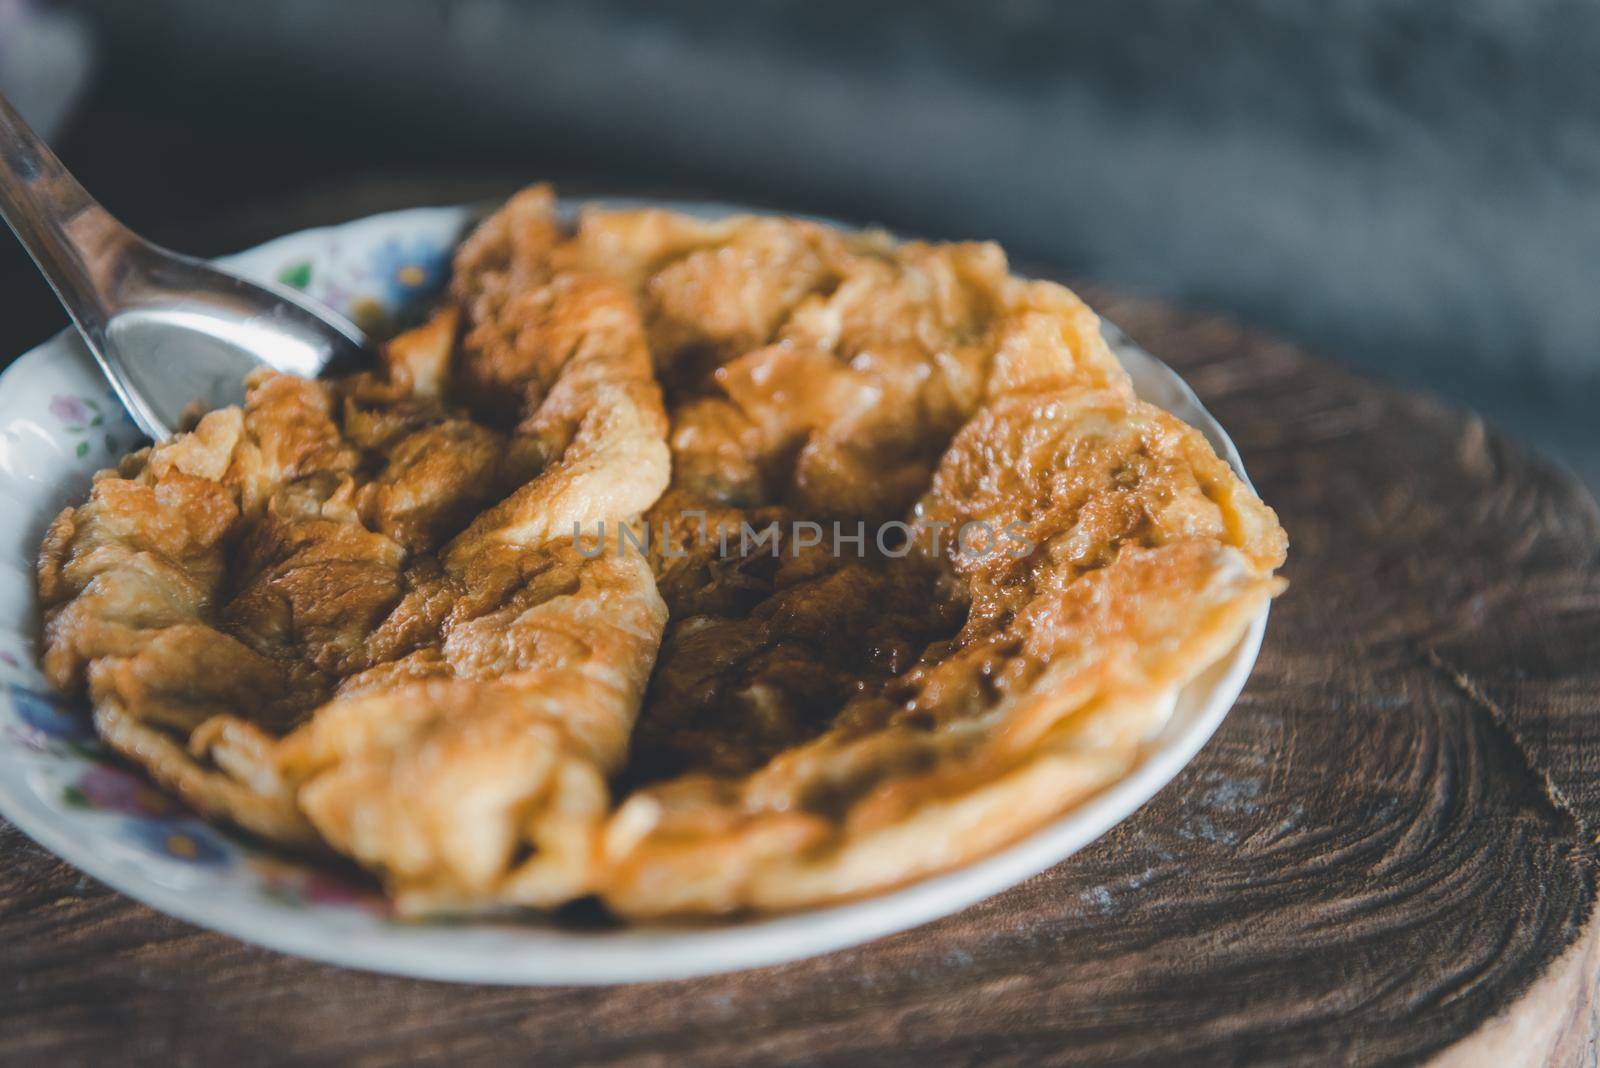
x,y
174,335
185,334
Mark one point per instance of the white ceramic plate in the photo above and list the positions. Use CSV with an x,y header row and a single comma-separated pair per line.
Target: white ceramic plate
x,y
59,422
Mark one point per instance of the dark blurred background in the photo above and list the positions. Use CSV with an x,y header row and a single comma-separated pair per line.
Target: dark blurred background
x,y
1409,186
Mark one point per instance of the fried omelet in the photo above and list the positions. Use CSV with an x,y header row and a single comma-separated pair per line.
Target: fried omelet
x,y
394,616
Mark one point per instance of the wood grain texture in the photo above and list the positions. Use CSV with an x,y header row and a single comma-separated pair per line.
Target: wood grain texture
x,y
1387,852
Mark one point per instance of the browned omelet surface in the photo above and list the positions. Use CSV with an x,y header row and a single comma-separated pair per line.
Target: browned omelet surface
x,y
388,615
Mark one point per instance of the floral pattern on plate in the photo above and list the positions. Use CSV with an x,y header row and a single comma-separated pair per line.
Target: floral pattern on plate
x,y
300,886
95,422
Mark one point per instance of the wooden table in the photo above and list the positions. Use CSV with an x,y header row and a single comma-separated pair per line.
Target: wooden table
x,y
1387,852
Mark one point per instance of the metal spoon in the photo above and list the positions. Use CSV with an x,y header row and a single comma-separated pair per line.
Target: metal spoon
x,y
169,331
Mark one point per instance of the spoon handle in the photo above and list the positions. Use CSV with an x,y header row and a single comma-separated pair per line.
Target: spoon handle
x,y
83,252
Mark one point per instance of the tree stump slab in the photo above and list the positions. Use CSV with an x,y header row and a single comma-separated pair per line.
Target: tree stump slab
x,y
1386,854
